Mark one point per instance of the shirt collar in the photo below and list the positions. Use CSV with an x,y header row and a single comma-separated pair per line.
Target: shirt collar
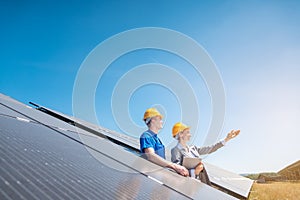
x,y
180,147
152,133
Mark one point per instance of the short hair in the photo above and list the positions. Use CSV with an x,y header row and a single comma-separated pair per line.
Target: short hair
x,y
148,121
177,136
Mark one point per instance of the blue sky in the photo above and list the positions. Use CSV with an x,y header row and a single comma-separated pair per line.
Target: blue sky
x,y
255,45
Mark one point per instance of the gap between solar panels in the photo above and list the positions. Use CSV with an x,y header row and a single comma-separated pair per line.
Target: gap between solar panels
x,y
86,128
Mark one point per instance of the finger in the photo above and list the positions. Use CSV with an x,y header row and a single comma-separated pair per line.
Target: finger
x,y
237,132
187,173
234,133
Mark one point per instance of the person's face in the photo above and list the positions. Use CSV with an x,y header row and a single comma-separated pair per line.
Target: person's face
x,y
157,122
185,135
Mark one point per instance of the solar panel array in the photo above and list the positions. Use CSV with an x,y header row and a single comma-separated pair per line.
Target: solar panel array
x,y
227,181
45,158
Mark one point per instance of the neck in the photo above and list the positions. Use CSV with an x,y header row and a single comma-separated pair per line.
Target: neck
x,y
154,130
183,143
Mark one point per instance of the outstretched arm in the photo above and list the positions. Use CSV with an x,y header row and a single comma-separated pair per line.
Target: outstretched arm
x,y
210,149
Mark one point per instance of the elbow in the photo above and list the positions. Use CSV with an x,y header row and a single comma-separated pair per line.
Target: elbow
x,y
150,157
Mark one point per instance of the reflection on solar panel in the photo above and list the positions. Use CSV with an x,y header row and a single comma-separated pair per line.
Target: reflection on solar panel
x,y
43,158
233,183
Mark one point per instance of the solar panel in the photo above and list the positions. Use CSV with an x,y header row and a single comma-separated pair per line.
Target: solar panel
x,y
96,129
227,180
44,159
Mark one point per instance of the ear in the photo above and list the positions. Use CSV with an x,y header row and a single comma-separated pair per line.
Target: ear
x,y
180,134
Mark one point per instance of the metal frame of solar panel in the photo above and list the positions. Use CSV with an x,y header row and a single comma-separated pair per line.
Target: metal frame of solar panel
x,y
44,158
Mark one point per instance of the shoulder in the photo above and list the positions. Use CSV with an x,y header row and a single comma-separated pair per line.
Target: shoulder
x,y
175,150
146,134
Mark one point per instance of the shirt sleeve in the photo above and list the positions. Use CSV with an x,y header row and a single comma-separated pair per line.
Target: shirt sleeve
x,y
146,142
223,142
176,156
209,149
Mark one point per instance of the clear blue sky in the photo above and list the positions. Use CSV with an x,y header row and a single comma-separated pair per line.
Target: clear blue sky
x,y
255,45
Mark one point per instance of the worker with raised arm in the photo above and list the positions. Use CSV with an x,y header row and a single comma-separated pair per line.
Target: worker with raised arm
x,y
181,132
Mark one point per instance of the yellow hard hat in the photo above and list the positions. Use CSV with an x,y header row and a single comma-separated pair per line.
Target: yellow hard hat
x,y
178,127
151,112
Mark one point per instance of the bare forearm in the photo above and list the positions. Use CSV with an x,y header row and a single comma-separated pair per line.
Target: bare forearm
x,y
164,163
158,160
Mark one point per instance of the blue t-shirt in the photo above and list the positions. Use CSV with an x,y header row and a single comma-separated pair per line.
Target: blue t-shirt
x,y
150,140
